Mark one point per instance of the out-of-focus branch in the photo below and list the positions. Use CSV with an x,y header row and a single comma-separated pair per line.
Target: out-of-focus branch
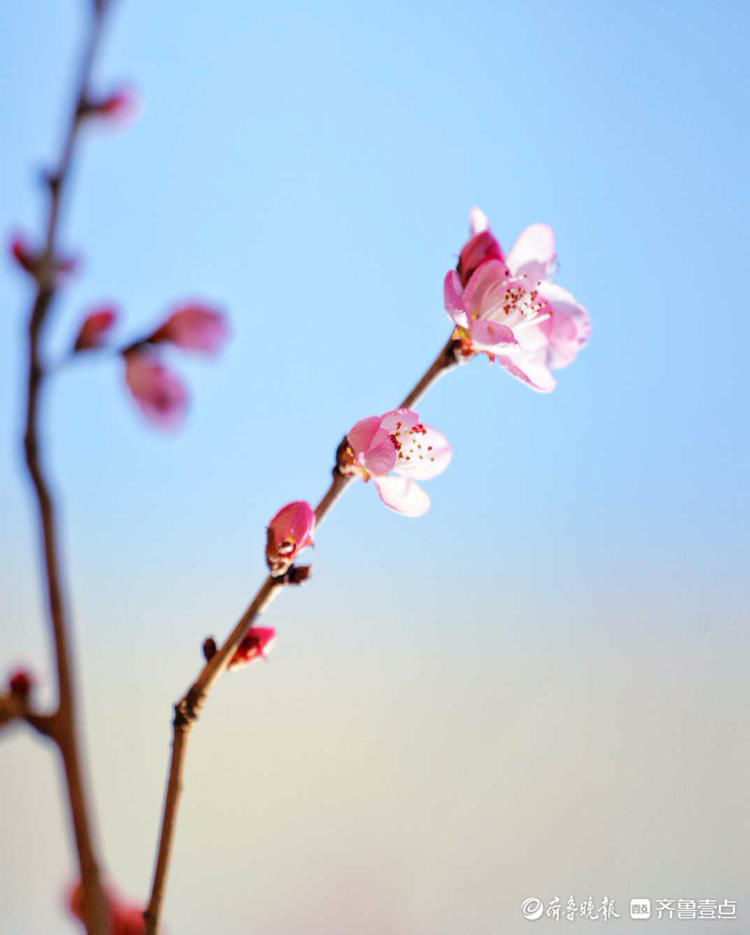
x,y
188,707
62,725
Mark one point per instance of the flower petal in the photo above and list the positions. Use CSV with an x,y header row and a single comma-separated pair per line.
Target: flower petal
x,y
477,251
533,253
478,221
569,327
486,289
453,299
159,393
529,369
402,495
490,334
397,419
430,459
380,456
361,434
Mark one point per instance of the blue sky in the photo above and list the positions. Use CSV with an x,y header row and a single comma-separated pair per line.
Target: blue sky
x,y
312,169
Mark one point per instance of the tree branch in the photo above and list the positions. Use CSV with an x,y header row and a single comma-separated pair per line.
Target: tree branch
x,y
62,725
188,707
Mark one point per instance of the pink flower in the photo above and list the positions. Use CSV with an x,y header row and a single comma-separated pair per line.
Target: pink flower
x,y
255,643
159,393
124,919
397,442
508,307
95,328
194,326
118,107
290,530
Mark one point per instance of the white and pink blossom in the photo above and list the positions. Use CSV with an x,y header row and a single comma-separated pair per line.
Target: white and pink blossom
x,y
396,450
508,307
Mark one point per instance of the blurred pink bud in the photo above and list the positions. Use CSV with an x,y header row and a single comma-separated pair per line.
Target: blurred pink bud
x,y
159,393
123,919
21,683
290,530
95,328
256,642
30,260
22,253
194,326
118,107
398,442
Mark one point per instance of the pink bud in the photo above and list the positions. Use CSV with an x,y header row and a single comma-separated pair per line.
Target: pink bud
x,y
123,919
30,260
95,328
256,642
118,107
290,530
21,683
22,253
194,326
159,393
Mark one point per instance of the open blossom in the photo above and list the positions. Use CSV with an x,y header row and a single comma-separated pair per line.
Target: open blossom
x,y
255,643
124,919
290,530
509,308
95,328
396,450
194,326
159,393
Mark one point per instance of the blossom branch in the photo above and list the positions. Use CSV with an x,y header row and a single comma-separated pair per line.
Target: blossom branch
x,y
187,709
44,268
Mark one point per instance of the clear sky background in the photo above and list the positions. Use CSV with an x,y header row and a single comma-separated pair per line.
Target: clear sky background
x,y
539,688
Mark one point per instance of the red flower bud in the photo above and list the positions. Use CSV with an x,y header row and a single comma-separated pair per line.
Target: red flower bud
x,y
256,642
21,683
95,328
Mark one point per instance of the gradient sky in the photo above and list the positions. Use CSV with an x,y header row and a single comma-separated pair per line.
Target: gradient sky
x,y
538,688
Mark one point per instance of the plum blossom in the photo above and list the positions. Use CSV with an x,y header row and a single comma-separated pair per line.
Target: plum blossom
x,y
124,919
159,393
396,449
508,307
194,326
255,643
290,530
95,328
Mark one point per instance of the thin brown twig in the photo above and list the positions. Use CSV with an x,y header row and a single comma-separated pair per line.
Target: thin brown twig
x,y
62,725
188,707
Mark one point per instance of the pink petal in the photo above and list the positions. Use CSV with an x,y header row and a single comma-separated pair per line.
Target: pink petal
x,y
397,419
380,457
529,369
257,642
477,251
478,221
569,327
362,433
402,495
95,328
485,289
452,298
159,393
491,334
195,327
533,253
430,459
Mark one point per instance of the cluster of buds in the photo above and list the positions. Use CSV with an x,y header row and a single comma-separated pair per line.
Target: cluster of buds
x,y
158,392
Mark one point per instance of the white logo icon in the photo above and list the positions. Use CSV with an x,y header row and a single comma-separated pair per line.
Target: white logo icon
x,y
640,908
532,908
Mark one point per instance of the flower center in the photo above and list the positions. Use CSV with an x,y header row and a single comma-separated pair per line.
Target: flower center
x,y
410,444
